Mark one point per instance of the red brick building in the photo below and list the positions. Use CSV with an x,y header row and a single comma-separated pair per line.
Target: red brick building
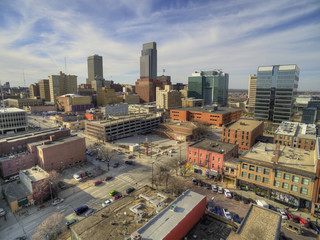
x,y
207,156
146,90
177,131
243,132
208,115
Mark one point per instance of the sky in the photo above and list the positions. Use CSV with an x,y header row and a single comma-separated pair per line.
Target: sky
x,y
39,38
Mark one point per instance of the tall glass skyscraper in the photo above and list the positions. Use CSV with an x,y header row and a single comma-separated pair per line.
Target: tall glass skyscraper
x,y
148,61
95,67
276,89
211,86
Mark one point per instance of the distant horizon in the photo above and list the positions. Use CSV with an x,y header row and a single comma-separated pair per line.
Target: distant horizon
x,y
237,37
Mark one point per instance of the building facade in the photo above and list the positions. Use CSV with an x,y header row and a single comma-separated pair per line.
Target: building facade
x,y
115,110
252,90
74,103
212,86
34,90
168,98
276,89
62,84
107,96
44,90
243,132
297,135
148,61
95,67
191,102
208,115
13,119
24,102
146,90
207,156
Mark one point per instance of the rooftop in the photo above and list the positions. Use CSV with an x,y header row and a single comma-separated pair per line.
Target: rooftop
x,y
29,134
213,146
125,118
11,110
15,191
208,109
295,129
244,125
59,141
259,223
181,124
35,174
289,157
163,223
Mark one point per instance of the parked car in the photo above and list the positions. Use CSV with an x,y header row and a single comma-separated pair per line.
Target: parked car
x,y
57,201
210,207
108,178
194,181
314,226
117,196
77,177
71,221
130,190
62,185
200,183
130,157
214,188
98,182
2,212
89,174
283,214
83,176
107,202
81,209
116,164
219,211
89,212
227,214
128,162
303,222
227,193
236,218
220,190
245,200
113,192
292,217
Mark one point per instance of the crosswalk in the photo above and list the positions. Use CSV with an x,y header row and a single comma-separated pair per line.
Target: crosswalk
x,y
128,179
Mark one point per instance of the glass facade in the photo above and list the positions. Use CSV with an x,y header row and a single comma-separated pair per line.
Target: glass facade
x,y
276,88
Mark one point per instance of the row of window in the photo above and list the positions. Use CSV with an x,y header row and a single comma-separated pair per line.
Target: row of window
x,y
207,156
266,171
295,179
17,162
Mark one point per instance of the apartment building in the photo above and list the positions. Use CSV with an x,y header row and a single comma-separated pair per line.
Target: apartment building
x,y
298,135
13,119
243,132
62,84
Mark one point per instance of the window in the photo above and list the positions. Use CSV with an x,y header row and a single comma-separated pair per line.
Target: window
x,y
245,166
200,162
285,185
277,183
305,181
227,169
244,174
189,159
232,171
251,168
265,180
259,169
190,152
278,174
294,188
250,176
218,160
304,191
295,179
212,165
258,178
266,171
9,164
213,158
17,162
30,159
200,155
195,154
207,157
194,160
286,176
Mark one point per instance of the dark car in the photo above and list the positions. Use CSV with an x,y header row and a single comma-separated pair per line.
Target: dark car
x,y
245,200
108,178
272,208
130,190
80,210
236,218
98,182
219,211
72,221
116,164
208,186
62,185
117,196
314,226
128,162
194,181
210,207
130,157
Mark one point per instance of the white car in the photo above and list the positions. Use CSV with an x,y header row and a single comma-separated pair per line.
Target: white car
x,y
57,201
2,212
227,193
107,202
214,188
283,214
227,214
220,189
77,177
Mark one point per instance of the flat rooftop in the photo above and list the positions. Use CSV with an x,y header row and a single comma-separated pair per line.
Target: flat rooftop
x,y
126,118
162,224
15,191
59,141
213,146
35,174
259,223
221,110
296,158
182,124
295,129
11,110
244,125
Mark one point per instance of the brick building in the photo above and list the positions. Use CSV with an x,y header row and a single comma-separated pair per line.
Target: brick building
x,y
299,135
243,132
74,103
177,131
207,156
209,115
146,90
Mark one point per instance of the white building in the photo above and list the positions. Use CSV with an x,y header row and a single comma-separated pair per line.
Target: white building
x,y
115,110
13,119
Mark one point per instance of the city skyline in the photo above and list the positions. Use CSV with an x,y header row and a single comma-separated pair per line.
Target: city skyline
x,y
36,37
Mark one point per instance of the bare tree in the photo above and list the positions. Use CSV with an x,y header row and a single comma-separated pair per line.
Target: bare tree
x,y
177,186
179,166
49,227
54,178
41,191
106,153
202,130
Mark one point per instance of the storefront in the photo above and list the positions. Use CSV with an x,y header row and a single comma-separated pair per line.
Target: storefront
x,y
229,179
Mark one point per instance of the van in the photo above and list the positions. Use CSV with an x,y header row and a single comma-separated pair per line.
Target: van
x,y
262,203
80,210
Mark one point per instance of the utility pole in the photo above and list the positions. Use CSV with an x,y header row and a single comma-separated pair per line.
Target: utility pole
x,y
152,175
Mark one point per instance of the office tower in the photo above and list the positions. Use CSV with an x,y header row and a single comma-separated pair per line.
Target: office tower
x,y
95,67
211,86
34,90
276,88
148,61
44,89
62,84
252,90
